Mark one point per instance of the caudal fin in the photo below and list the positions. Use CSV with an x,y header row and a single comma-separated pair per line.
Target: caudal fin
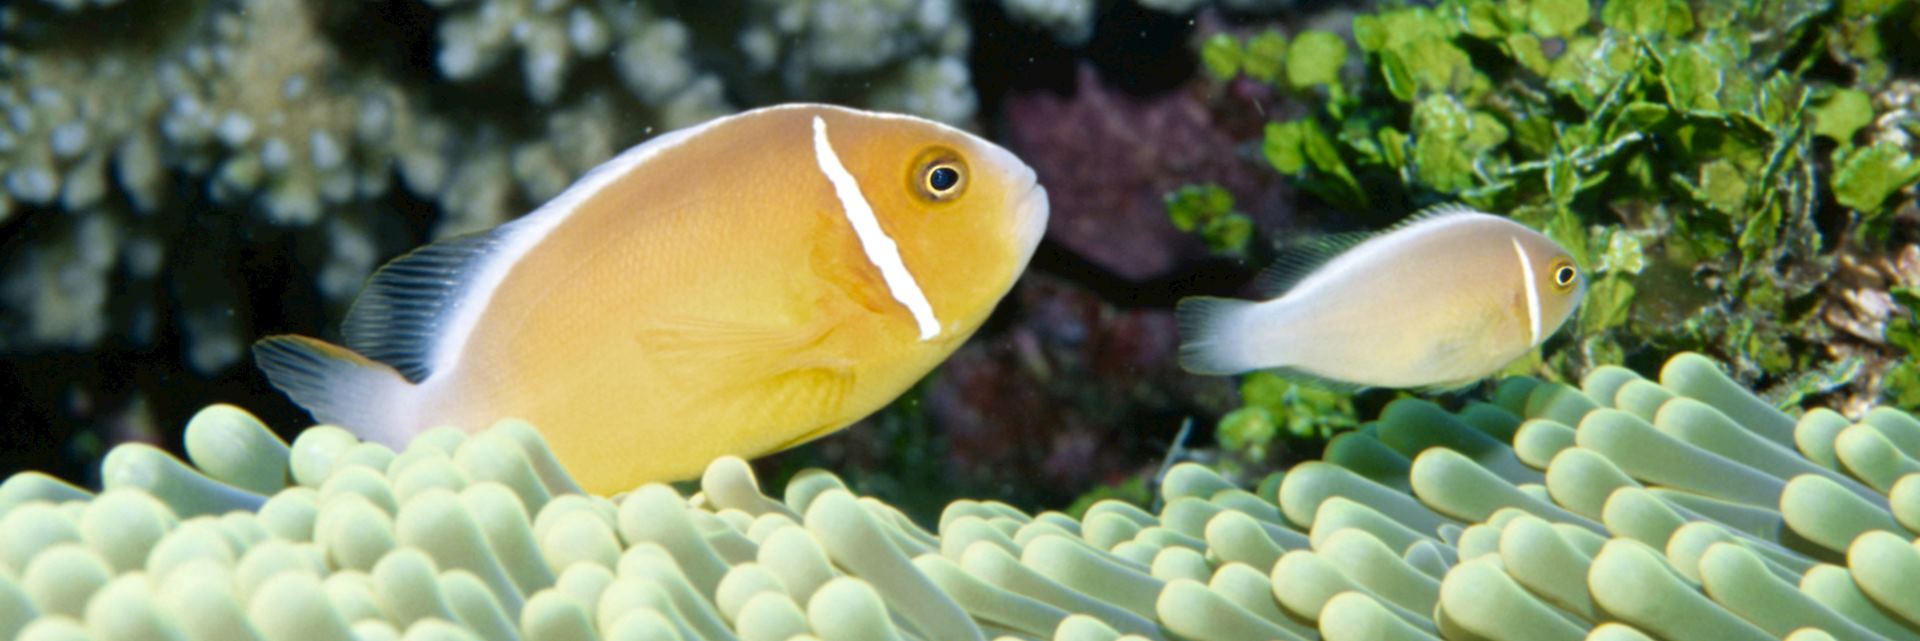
x,y
339,387
1212,335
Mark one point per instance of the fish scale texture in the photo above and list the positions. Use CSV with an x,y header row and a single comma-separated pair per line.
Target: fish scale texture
x,y
1627,508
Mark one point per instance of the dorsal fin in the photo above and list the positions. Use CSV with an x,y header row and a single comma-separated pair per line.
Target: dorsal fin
x,y
401,315
1432,212
1305,257
432,297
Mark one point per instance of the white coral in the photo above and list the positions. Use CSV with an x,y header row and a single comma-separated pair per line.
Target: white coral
x,y
64,282
1070,21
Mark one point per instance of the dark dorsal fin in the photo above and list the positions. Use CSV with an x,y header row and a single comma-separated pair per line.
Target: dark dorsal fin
x,y
1303,258
404,311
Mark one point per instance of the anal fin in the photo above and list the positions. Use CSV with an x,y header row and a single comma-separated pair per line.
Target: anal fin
x,y
788,373
338,387
1303,377
698,342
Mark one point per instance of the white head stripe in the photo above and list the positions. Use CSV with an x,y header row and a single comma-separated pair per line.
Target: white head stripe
x,y
881,250
1533,291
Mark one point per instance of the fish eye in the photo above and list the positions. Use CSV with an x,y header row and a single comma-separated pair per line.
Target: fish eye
x,y
1564,274
943,179
939,175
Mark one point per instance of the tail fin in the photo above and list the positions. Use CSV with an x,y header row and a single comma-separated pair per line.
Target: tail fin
x,y
1212,340
339,387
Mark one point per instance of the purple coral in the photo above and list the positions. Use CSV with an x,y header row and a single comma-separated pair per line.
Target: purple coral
x,y
1108,158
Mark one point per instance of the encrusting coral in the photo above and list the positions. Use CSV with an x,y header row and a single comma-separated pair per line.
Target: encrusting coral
x,y
1623,509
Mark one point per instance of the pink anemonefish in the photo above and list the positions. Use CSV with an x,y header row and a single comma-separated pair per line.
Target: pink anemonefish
x,y
1440,301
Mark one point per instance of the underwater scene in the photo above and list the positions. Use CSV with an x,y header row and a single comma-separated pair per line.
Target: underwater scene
x,y
1076,320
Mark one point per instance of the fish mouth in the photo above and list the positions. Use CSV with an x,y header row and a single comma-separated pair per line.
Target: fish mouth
x,y
1030,216
1030,207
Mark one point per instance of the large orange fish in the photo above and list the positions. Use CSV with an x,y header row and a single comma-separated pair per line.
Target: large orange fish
x,y
737,287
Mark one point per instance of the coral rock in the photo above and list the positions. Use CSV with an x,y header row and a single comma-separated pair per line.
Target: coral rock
x,y
1108,158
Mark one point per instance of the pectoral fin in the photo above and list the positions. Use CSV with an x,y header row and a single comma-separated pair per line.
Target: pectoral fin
x,y
812,401
695,343
787,374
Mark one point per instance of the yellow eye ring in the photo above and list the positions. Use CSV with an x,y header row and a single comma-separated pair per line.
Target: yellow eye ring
x,y
939,175
1564,275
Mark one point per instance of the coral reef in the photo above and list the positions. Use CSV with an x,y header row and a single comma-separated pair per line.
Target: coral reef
x,y
1077,392
1626,508
1070,21
1109,211
249,96
1871,303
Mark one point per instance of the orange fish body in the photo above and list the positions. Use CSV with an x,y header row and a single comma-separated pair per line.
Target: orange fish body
x,y
739,287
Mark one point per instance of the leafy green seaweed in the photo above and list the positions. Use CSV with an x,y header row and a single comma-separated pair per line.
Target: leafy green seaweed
x,y
1208,209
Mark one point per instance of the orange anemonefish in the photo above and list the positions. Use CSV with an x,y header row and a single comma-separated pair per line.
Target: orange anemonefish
x,y
734,288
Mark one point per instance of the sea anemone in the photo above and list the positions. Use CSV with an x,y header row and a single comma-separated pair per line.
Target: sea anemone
x,y
1626,508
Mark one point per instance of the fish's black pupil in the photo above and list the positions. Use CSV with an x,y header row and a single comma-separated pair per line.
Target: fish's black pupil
x,y
1564,276
943,178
